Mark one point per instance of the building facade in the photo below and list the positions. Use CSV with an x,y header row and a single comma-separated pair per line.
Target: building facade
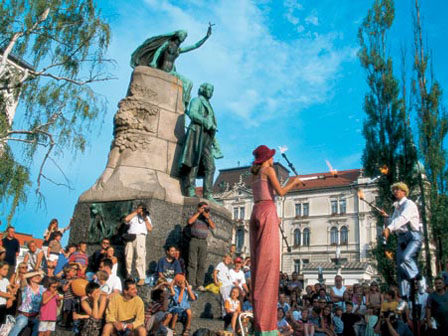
x,y
327,227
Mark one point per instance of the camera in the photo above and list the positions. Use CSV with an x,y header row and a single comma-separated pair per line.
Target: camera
x,y
207,210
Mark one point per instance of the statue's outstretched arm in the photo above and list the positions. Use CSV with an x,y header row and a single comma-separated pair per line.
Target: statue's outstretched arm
x,y
197,44
157,55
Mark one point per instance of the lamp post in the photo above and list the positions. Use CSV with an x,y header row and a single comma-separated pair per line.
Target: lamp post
x,y
320,274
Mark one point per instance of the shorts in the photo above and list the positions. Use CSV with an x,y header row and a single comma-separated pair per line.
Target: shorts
x,y
69,305
47,326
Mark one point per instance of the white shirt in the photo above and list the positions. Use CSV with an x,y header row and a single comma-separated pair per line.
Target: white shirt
x,y
405,212
111,284
137,225
237,278
223,274
4,283
32,260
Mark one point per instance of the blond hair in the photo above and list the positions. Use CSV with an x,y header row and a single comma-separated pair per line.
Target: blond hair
x,y
102,276
401,186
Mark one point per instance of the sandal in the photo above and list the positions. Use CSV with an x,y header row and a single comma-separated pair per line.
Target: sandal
x,y
186,332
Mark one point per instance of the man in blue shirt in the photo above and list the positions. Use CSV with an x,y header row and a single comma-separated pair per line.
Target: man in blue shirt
x,y
168,266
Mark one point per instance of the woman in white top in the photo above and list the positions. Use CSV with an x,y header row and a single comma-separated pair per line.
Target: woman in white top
x,y
110,254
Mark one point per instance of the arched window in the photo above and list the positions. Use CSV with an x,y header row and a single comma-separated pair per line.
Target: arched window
x,y
306,237
296,237
334,236
344,235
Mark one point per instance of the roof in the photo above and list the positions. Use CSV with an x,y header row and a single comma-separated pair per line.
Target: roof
x,y
231,176
341,179
313,266
24,238
17,60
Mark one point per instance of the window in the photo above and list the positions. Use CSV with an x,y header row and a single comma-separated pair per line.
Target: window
x,y
306,237
334,207
306,209
242,213
298,209
297,265
296,237
235,213
344,235
239,241
334,236
342,206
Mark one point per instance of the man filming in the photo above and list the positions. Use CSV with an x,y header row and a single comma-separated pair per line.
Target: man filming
x,y
200,224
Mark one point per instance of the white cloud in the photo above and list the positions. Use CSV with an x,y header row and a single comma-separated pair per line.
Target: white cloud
x,y
312,19
257,77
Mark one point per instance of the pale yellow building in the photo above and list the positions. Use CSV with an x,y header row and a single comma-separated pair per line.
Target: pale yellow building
x,y
325,223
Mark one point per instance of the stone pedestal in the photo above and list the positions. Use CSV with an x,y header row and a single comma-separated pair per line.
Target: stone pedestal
x,y
149,130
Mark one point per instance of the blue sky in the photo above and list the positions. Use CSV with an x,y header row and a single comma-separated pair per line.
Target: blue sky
x,y
285,73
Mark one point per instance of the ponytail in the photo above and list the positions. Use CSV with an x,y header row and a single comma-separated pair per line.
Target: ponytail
x,y
255,169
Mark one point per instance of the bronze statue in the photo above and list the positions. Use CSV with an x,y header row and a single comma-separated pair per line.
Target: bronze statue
x,y
161,52
200,147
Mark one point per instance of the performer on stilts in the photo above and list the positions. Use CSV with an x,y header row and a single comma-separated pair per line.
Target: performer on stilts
x,y
265,240
405,222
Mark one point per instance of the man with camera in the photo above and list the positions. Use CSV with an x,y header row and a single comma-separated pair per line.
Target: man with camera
x,y
139,226
200,224
390,324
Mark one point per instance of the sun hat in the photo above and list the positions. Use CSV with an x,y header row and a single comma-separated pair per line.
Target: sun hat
x,y
262,153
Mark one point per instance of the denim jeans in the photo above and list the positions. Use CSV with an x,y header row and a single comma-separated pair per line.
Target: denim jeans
x,y
409,244
21,322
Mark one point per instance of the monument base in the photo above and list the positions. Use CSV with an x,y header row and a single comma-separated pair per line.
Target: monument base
x,y
95,220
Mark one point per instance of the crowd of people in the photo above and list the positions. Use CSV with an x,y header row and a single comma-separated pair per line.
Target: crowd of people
x,y
86,294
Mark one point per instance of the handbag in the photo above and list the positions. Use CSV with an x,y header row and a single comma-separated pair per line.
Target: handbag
x,y
129,237
6,328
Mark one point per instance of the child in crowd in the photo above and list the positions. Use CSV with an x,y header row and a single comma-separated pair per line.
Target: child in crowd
x,y
157,317
54,249
110,254
181,294
5,291
232,306
101,278
69,298
81,259
337,321
283,326
303,327
349,318
371,319
51,300
316,321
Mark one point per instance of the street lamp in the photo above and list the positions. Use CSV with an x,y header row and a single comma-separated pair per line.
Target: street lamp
x,y
320,274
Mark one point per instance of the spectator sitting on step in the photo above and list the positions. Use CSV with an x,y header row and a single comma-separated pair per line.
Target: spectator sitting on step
x,y
94,306
6,292
125,312
63,260
113,282
282,302
30,305
98,255
101,278
168,267
80,258
294,283
54,249
181,294
157,317
110,254
283,326
181,261
34,257
232,306
237,276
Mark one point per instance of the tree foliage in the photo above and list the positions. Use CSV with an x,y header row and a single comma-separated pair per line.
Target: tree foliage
x,y
432,122
386,127
64,41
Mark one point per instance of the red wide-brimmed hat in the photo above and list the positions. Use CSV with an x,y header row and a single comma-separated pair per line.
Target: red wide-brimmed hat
x,y
262,153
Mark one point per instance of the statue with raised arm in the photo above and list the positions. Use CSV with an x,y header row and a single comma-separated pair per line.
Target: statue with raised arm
x,y
201,147
161,52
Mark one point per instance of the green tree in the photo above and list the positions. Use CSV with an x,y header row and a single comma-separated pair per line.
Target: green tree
x,y
433,126
64,43
386,128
